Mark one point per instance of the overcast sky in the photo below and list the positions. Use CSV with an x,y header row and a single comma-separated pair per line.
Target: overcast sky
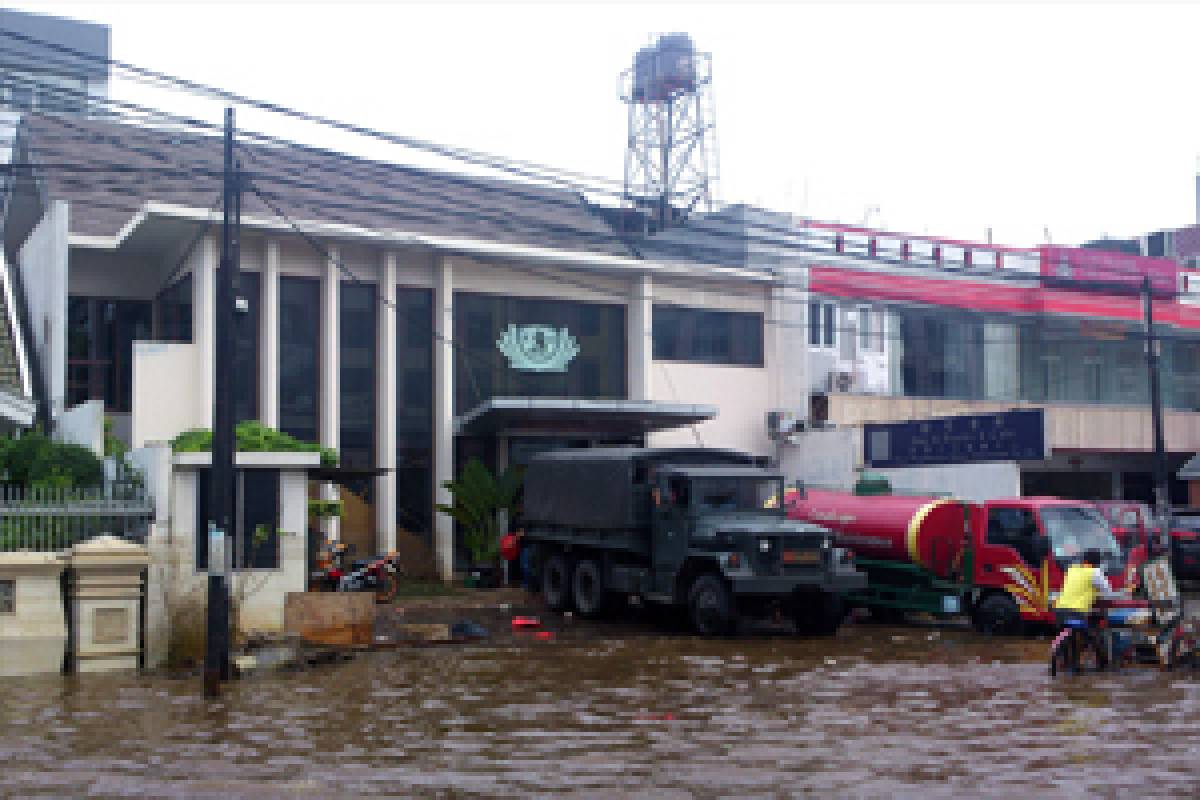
x,y
941,119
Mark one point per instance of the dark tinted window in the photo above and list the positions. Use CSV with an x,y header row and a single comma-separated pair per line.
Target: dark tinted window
x,y
356,363
256,541
414,409
709,337
299,354
175,311
100,336
591,335
245,357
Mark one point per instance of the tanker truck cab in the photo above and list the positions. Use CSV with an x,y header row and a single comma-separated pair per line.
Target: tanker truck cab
x,y
691,528
1024,546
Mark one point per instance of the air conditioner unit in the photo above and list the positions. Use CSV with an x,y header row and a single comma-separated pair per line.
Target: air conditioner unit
x,y
841,381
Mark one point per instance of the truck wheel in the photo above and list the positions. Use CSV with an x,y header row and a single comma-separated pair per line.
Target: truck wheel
x,y
997,615
588,584
556,582
710,606
819,614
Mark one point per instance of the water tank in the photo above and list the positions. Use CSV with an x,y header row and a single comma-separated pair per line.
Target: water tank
x,y
644,64
676,65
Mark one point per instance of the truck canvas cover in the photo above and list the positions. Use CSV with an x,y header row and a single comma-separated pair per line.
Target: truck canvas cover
x,y
605,487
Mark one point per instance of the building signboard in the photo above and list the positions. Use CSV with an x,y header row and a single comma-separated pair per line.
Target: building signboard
x,y
538,348
1018,435
1103,266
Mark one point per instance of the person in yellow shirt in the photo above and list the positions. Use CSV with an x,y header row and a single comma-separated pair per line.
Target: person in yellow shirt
x,y
1083,583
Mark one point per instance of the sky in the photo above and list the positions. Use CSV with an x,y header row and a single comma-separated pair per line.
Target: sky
x,y
1038,121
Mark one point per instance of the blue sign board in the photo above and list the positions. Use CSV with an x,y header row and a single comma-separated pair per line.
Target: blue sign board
x,y
1006,436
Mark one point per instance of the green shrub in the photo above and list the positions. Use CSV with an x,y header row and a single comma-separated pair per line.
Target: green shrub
x,y
37,460
253,437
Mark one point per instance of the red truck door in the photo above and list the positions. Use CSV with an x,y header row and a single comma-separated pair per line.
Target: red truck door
x,y
1012,556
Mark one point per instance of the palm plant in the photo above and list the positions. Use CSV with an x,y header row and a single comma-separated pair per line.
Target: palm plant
x,y
479,497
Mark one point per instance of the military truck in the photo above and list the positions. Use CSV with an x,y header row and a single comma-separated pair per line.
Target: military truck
x,y
695,528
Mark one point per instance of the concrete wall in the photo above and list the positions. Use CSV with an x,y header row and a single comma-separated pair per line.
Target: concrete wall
x,y
974,482
741,393
260,593
83,425
825,458
33,635
43,264
165,397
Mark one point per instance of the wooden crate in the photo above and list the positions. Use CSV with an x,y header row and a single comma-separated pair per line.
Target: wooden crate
x,y
337,619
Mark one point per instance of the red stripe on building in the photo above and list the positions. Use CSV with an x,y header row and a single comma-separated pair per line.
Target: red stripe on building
x,y
991,297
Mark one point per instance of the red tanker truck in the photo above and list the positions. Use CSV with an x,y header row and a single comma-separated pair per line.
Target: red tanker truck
x,y
1002,562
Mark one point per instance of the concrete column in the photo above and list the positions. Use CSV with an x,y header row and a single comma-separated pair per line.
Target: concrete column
x,y
329,398
443,411
204,317
386,402
639,324
268,365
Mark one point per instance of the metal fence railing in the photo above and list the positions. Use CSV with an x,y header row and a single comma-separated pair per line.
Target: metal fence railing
x,y
45,519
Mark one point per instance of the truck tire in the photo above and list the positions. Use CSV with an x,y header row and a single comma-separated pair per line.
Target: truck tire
x,y
997,615
710,606
556,582
819,614
587,583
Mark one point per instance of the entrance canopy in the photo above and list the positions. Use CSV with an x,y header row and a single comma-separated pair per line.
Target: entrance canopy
x,y
560,416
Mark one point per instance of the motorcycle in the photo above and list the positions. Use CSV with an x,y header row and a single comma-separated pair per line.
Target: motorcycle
x,y
380,575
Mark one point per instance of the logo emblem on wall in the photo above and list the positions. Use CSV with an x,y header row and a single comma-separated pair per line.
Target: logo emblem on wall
x,y
538,348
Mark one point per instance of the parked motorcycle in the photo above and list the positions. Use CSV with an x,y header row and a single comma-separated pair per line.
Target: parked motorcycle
x,y
380,575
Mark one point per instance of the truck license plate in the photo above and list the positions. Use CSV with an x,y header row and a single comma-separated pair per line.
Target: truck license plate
x,y
801,556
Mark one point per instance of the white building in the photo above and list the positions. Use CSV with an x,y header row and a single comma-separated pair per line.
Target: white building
x,y
411,319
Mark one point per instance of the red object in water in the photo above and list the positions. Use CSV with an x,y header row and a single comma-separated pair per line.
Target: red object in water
x,y
544,635
526,622
510,547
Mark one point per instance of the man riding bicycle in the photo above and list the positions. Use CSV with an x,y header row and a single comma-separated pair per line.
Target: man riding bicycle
x,y
1077,615
1081,585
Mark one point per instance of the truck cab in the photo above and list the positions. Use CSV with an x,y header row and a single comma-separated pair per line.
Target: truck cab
x,y
1023,548
1133,525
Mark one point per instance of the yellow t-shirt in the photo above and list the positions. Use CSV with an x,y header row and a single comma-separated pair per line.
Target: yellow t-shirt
x,y
1078,592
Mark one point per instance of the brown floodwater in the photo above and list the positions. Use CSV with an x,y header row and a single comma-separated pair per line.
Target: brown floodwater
x,y
604,712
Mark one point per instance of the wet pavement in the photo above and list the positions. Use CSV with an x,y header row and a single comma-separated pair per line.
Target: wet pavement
x,y
619,710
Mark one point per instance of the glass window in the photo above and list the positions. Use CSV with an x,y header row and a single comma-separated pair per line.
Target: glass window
x,y
1075,530
356,362
414,411
175,311
299,356
100,337
595,367
709,337
256,540
865,340
245,356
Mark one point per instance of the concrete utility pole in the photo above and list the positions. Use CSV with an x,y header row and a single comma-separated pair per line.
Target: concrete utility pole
x,y
222,486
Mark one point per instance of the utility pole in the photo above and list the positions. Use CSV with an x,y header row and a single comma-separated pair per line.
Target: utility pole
x,y
1161,490
221,497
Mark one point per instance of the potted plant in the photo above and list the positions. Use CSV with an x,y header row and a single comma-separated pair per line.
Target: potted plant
x,y
478,498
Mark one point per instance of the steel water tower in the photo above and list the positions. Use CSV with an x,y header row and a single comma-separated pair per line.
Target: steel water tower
x,y
670,154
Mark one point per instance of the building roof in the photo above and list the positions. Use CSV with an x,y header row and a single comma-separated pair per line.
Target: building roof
x,y
26,54
309,185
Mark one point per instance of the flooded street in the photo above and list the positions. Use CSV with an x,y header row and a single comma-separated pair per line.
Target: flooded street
x,y
875,712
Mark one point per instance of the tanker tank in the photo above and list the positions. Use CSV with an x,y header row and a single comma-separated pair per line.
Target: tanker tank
x,y
925,531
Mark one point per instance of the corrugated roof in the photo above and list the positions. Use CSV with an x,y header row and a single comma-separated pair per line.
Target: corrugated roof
x,y
310,186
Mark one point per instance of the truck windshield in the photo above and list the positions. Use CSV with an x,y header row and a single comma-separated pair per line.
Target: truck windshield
x,y
1074,531
737,494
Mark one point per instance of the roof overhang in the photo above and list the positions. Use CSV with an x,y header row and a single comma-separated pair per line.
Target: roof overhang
x,y
562,416
154,213
16,410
